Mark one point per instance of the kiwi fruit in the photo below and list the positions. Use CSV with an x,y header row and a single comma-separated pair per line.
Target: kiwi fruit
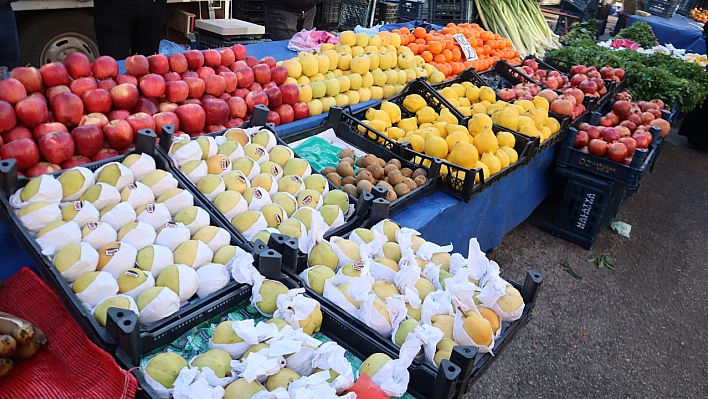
x,y
351,190
334,179
345,169
395,162
364,185
401,189
406,172
419,172
349,180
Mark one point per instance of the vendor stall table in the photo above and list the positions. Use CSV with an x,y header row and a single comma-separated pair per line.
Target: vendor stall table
x,y
680,31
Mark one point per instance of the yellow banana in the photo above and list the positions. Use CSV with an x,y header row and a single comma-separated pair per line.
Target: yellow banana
x,y
5,366
26,351
7,346
20,329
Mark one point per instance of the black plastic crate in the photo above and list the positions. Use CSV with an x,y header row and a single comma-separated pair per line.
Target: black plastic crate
x,y
442,12
206,40
661,8
361,208
355,12
581,5
146,337
504,76
628,175
472,363
330,14
685,7
412,10
588,205
343,131
386,12
341,329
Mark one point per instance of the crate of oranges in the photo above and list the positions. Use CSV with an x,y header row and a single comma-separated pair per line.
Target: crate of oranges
x,y
441,50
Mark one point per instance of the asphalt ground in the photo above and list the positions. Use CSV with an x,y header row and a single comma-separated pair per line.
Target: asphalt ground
x,y
636,332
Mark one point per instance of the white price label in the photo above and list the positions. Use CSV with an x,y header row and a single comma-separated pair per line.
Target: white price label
x,y
467,49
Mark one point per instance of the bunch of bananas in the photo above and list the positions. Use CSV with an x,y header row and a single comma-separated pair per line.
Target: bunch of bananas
x,y
19,340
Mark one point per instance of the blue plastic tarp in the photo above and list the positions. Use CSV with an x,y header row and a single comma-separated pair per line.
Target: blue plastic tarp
x,y
411,25
680,31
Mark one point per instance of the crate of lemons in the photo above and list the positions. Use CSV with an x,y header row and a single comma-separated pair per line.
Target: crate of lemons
x,y
360,68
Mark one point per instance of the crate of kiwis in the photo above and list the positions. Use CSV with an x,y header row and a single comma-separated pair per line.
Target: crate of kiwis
x,y
366,166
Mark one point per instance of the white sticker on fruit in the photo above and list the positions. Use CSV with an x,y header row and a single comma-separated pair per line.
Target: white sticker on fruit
x,y
125,178
164,304
191,151
135,292
198,173
120,215
54,240
467,49
99,234
88,260
179,202
260,199
49,190
122,259
142,166
155,215
102,286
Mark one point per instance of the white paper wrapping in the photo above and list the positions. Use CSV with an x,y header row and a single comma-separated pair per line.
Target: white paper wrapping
x,y
294,307
126,175
260,199
103,286
141,236
87,263
133,306
135,292
338,221
86,212
165,184
271,138
372,318
222,238
359,288
35,220
155,215
53,241
163,305
477,261
343,258
119,216
173,235
382,272
257,367
295,178
204,255
411,297
211,151
312,387
100,235
142,166
188,282
462,338
162,257
212,277
318,228
200,387
220,188
428,249
235,154
89,180
200,220
256,227
185,377
393,377
437,302
250,334
273,185
209,376
494,289
121,260
198,173
179,202
50,190
331,356
240,207
109,195
407,276
299,346
241,267
432,273
189,152
139,195
278,393
430,337
255,170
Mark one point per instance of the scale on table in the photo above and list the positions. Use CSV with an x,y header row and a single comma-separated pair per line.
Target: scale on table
x,y
215,33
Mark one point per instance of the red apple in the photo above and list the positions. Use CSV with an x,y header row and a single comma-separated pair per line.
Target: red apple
x,y
192,101
231,81
167,107
94,118
212,58
76,160
30,77
8,118
269,84
189,74
82,85
279,74
177,62
105,153
214,128
227,56
152,85
196,87
192,118
39,95
176,91
255,87
273,118
216,111
241,92
254,98
104,67
88,139
16,133
24,151
195,59
214,84
42,168
119,134
301,110
286,113
221,69
239,51
275,98
68,109
12,91
235,122
238,64
158,64
224,96
118,114
205,71
268,60
261,73
581,139
237,107
78,65
124,96
146,105
125,78
137,65
98,100
54,74
245,77
50,127
165,118
597,147
290,93
56,147
32,111
617,152
140,121
171,76
107,84
251,61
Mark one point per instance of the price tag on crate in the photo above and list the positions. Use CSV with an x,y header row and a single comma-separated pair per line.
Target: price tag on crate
x,y
467,49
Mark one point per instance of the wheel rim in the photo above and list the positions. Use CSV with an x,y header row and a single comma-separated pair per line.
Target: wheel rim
x,y
62,45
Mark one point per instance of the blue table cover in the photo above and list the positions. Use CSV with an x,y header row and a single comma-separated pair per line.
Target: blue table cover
x,y
678,30
439,217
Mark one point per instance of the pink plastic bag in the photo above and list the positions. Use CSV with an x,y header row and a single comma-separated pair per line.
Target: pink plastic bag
x,y
311,40
624,43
